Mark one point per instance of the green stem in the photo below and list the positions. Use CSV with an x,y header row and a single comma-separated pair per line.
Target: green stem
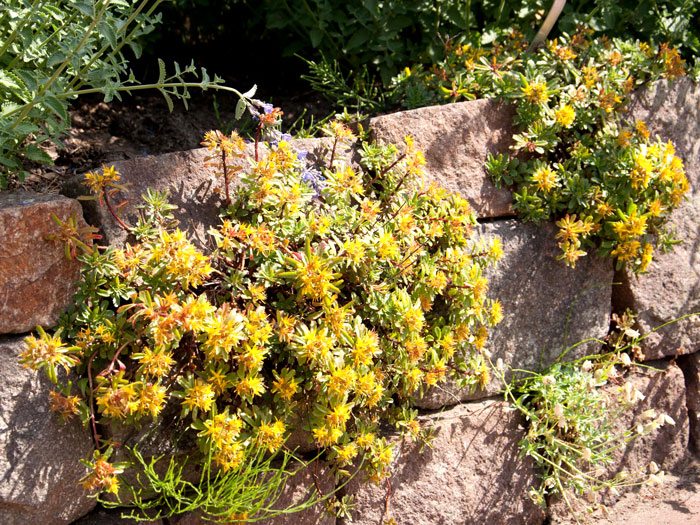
x,y
566,499
17,29
558,467
468,20
28,107
12,64
78,79
128,89
500,11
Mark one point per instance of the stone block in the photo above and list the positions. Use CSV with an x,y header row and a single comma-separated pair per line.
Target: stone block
x,y
472,474
671,289
193,187
547,306
39,458
456,140
37,280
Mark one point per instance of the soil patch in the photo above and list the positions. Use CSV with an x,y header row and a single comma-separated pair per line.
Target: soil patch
x,y
142,125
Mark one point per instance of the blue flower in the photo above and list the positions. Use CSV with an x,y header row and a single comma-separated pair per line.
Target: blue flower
x,y
313,178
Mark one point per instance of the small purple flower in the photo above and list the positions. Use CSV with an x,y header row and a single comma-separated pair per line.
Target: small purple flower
x,y
313,178
268,108
286,137
301,155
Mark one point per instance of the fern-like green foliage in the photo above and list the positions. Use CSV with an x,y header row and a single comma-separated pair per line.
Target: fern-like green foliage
x,y
251,492
52,51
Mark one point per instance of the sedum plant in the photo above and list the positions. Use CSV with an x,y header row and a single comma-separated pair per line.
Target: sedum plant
x,y
52,51
331,299
576,157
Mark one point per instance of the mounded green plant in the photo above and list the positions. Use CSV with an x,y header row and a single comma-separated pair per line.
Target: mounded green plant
x,y
573,411
52,51
332,298
479,24
576,157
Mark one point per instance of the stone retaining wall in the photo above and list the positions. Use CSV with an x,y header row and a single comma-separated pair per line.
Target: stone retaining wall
x,y
473,474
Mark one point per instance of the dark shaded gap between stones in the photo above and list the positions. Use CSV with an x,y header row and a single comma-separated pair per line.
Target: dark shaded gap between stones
x,y
497,218
691,386
621,295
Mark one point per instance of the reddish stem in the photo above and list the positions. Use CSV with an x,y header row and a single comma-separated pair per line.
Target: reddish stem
x,y
410,255
223,163
109,207
257,140
114,359
95,435
388,497
398,186
387,169
335,143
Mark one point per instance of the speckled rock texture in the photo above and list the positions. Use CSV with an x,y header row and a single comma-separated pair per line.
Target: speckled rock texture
x,y
472,474
671,289
39,458
37,280
547,306
456,140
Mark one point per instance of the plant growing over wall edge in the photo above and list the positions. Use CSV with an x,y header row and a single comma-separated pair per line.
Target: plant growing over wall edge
x,y
332,298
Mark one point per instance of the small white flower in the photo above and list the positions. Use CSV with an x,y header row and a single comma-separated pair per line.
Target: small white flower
x,y
499,364
665,419
656,479
625,359
587,454
631,333
548,380
630,394
640,429
650,427
558,411
621,476
648,415
653,467
587,365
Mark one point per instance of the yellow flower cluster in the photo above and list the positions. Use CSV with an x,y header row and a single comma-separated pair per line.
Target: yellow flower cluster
x,y
181,258
48,352
317,301
535,91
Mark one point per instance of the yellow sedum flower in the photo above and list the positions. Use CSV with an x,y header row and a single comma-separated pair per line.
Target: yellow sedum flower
x,y
200,396
565,116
